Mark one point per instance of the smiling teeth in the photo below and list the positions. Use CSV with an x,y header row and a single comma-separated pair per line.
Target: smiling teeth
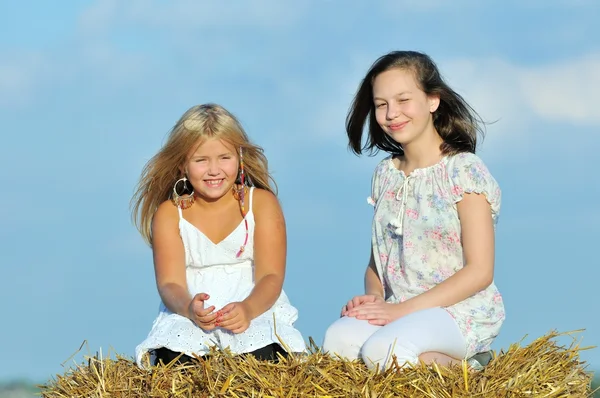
x,y
214,182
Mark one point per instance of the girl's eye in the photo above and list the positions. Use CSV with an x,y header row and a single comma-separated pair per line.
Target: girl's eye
x,y
379,105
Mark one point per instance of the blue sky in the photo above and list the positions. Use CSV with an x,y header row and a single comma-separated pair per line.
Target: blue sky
x,y
88,91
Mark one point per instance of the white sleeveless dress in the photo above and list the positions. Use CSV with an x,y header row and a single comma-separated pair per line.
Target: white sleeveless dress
x,y
214,269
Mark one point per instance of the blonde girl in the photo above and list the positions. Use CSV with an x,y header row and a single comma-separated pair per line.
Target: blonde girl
x,y
207,206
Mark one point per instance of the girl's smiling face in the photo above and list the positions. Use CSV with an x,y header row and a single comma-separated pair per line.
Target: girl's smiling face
x,y
402,109
212,168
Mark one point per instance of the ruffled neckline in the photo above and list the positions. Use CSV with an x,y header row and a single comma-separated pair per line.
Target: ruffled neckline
x,y
420,170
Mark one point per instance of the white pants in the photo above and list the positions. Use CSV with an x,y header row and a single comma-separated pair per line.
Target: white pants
x,y
430,330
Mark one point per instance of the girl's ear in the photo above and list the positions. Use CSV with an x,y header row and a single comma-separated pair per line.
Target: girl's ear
x,y
434,103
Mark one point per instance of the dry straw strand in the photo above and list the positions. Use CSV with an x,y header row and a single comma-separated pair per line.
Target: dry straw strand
x,y
542,368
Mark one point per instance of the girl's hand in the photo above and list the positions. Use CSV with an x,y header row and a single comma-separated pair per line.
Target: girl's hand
x,y
378,312
360,300
234,317
203,317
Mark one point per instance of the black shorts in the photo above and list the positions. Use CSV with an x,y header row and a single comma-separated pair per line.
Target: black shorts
x,y
268,353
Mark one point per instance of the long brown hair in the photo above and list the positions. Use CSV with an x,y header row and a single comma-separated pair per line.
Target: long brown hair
x,y
455,120
164,169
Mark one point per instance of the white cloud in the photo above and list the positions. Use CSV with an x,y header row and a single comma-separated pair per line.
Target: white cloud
x,y
567,91
492,88
563,92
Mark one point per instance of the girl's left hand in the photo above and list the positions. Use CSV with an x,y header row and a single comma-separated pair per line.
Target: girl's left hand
x,y
378,313
234,317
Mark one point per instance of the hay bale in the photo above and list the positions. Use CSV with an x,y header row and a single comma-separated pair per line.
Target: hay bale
x,y
540,369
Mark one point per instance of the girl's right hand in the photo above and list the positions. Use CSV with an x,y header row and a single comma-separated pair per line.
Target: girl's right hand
x,y
359,300
203,317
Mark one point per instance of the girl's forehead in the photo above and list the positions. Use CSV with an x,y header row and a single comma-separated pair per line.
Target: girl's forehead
x,y
212,146
395,77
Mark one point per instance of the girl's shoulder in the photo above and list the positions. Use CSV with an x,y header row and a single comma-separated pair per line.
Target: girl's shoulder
x,y
384,165
467,173
463,159
165,220
468,166
166,211
263,200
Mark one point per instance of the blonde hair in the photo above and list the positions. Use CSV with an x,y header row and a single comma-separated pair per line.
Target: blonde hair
x,y
164,169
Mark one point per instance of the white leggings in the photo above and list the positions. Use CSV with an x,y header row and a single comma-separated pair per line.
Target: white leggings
x,y
430,330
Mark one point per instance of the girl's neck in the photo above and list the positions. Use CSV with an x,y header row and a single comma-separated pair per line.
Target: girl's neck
x,y
216,204
422,153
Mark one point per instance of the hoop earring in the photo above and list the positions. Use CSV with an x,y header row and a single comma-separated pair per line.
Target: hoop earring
x,y
178,199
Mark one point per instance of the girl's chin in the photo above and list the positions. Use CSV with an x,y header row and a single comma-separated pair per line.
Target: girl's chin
x,y
214,191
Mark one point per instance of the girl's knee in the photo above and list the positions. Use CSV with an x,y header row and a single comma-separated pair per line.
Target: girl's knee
x,y
337,337
377,353
329,340
344,338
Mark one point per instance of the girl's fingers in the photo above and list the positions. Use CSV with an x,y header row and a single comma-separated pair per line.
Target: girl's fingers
x,y
208,318
231,327
228,322
358,311
207,321
226,312
224,318
229,307
378,322
344,310
369,315
205,311
206,326
366,308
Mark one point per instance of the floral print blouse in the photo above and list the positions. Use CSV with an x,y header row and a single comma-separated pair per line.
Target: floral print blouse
x,y
417,237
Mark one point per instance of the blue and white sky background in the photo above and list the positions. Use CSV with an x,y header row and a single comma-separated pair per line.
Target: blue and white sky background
x,y
89,90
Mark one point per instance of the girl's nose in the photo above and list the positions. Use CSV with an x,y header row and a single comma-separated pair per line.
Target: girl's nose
x,y
213,168
392,112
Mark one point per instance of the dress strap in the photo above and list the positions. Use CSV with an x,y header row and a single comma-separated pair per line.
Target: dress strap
x,y
180,212
250,201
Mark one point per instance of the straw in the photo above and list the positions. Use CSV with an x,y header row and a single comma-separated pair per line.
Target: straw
x,y
541,369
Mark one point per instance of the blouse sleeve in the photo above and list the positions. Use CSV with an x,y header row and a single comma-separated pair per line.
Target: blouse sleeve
x,y
469,174
376,181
